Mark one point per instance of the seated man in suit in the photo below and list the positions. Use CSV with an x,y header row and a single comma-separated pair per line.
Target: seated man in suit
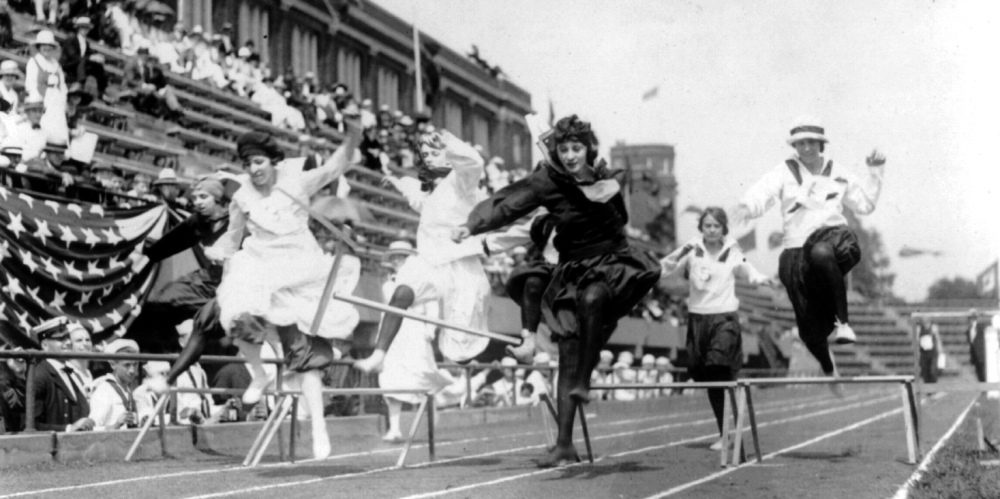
x,y
60,402
147,84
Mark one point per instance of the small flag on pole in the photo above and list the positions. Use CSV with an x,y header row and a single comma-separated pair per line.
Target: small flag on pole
x,y
693,209
908,252
653,92
987,281
552,114
749,241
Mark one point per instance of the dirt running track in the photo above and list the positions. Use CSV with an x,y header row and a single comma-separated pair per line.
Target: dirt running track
x,y
814,446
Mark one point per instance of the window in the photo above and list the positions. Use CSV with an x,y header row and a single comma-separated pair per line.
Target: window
x,y
481,132
516,146
254,26
197,13
453,117
388,88
304,53
349,71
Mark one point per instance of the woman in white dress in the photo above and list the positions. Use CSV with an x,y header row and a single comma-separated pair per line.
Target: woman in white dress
x,y
44,79
276,280
409,363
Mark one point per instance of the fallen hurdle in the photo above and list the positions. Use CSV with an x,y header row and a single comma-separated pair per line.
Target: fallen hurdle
x,y
730,412
286,404
745,410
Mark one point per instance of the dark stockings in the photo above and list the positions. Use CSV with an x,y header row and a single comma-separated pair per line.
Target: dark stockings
x,y
821,350
596,325
716,396
566,405
189,355
402,298
531,303
827,279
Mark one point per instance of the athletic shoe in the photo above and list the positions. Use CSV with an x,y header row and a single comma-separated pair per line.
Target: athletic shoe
x,y
525,353
393,437
256,390
844,335
717,446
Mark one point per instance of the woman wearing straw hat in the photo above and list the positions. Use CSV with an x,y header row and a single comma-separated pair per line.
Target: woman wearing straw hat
x,y
819,248
44,78
9,96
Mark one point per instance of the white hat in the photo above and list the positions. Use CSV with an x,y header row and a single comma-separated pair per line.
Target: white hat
x,y
156,366
120,345
45,37
620,365
625,354
520,250
662,361
82,21
541,359
806,127
243,52
166,176
400,247
648,360
607,356
508,362
10,68
185,328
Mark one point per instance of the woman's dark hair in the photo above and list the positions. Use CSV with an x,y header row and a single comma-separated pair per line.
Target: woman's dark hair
x,y
719,215
573,128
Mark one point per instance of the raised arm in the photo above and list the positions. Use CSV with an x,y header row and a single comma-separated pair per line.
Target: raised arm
x,y
747,270
230,242
508,204
339,162
862,193
466,162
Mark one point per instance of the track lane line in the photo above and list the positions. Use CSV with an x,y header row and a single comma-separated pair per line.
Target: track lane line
x,y
904,490
771,407
644,449
825,436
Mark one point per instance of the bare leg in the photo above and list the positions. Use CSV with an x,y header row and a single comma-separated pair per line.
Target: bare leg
x,y
402,298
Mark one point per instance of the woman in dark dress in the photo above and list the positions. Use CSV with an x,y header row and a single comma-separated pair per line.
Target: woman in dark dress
x,y
599,278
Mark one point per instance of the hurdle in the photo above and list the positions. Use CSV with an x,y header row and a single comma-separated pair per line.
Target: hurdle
x,y
745,410
729,412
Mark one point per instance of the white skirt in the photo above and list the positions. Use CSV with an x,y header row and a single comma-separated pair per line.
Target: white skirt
x,y
409,363
462,289
281,280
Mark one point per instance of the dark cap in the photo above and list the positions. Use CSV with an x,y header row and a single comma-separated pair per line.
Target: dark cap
x,y
52,329
258,144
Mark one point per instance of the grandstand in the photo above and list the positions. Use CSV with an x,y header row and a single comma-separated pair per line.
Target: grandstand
x,y
884,344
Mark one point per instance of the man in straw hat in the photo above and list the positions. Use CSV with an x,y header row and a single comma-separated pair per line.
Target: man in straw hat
x,y
819,248
112,406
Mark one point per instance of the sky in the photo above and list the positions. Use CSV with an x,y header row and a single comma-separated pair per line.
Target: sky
x,y
916,79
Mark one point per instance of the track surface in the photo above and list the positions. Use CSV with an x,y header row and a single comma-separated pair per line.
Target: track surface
x,y
814,445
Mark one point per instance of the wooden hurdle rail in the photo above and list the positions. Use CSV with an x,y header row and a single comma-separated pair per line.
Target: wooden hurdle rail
x,y
730,410
745,410
286,404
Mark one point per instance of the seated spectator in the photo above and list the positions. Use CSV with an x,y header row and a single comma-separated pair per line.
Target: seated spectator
x,y
60,403
503,388
79,340
44,79
10,98
76,109
113,406
141,187
76,58
168,188
11,153
148,88
12,392
192,408
145,398
6,27
50,163
647,375
206,67
171,51
29,133
662,364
